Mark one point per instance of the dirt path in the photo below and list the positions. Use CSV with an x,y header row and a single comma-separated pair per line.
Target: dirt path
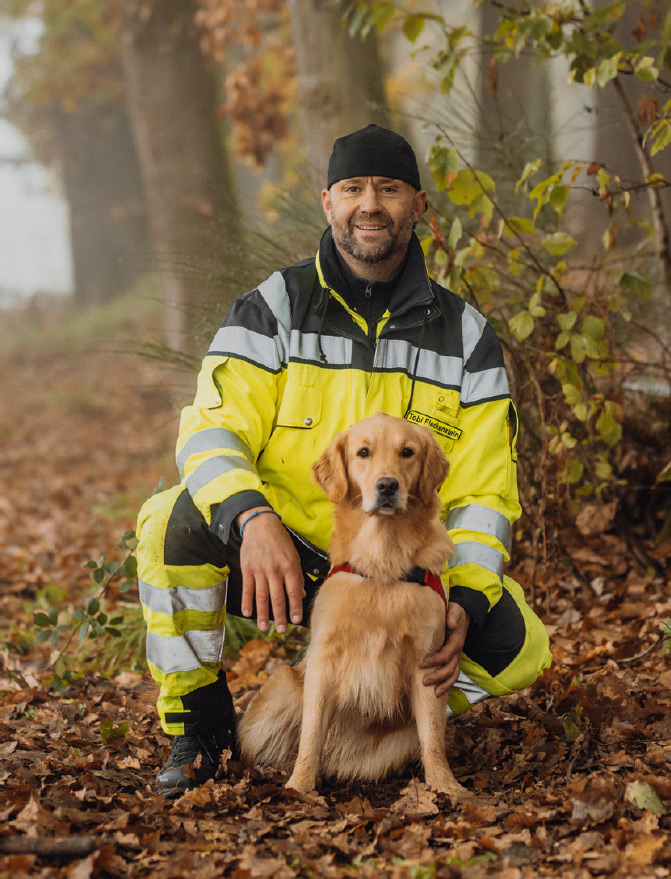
x,y
572,778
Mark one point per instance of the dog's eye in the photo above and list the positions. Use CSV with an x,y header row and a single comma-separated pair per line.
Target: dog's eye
x,y
407,452
363,453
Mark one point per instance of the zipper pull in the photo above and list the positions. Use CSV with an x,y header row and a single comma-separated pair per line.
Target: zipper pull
x,y
368,292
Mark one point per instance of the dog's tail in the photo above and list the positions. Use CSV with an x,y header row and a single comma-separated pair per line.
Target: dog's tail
x,y
269,731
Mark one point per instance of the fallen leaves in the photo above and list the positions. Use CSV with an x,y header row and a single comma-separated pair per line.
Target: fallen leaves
x,y
569,778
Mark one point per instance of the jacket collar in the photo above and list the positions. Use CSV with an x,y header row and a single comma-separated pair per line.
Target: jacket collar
x,y
413,287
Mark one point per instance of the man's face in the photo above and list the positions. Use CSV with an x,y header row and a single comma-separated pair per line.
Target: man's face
x,y
372,218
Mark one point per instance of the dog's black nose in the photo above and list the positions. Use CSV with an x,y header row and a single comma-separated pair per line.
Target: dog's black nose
x,y
387,486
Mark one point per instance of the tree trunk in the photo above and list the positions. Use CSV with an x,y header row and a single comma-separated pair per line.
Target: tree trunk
x,y
101,175
172,99
340,81
514,110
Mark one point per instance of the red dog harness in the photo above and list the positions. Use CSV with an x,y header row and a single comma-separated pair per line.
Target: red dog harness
x,y
417,575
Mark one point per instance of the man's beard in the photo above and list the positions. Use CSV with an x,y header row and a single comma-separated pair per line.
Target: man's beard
x,y
395,240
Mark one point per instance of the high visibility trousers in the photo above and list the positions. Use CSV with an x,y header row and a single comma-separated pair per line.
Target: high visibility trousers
x,y
188,578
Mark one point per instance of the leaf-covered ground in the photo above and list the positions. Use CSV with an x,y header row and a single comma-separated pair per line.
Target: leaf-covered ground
x,y
570,778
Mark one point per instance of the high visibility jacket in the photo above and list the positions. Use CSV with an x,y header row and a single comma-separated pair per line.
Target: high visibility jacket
x,y
293,364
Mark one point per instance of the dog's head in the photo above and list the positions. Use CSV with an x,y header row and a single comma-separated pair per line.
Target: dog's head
x,y
384,460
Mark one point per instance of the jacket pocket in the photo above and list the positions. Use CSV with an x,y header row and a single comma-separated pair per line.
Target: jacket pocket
x,y
301,407
440,413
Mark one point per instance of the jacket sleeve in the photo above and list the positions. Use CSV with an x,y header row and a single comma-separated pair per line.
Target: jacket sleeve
x,y
480,493
224,431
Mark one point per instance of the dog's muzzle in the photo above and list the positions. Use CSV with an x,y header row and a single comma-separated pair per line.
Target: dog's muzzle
x,y
386,495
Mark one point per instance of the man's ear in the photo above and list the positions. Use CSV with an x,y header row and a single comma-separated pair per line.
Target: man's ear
x,y
326,203
330,470
434,469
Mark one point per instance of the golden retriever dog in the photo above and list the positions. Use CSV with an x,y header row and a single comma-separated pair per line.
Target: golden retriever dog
x,y
356,707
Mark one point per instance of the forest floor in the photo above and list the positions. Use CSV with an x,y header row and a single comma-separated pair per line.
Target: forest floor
x,y
570,778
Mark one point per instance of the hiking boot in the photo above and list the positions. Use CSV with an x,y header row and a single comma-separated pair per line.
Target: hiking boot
x,y
194,758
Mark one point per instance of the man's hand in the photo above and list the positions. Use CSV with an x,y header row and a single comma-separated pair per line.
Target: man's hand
x,y
446,661
271,570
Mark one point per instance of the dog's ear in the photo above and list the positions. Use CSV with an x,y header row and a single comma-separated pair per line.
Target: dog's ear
x,y
330,470
434,469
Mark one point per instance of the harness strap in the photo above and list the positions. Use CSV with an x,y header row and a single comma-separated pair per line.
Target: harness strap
x,y
416,575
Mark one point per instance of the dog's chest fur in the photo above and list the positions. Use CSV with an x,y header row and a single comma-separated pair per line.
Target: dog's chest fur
x,y
369,638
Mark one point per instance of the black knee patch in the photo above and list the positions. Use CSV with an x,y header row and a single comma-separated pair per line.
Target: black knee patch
x,y
501,638
207,708
188,540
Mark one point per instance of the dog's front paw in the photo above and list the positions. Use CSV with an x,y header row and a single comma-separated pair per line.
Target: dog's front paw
x,y
302,784
447,784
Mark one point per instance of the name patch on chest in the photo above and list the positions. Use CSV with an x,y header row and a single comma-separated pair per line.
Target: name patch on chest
x,y
449,431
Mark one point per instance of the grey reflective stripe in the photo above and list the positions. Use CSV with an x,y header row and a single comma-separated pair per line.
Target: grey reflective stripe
x,y
185,652
305,346
432,367
171,601
241,342
209,439
212,469
472,552
274,293
475,517
473,692
484,385
472,327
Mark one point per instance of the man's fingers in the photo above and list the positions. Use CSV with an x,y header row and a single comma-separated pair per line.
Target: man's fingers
x,y
262,604
248,590
277,597
296,593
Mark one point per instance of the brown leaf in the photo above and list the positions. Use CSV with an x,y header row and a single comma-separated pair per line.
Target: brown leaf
x,y
416,799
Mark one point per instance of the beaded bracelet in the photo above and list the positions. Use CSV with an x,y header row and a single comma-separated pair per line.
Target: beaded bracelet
x,y
256,513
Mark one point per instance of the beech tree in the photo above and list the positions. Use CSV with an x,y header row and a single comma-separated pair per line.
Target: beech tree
x,y
68,99
172,100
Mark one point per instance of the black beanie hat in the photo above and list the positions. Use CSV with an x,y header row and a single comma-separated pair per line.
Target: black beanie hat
x,y
373,152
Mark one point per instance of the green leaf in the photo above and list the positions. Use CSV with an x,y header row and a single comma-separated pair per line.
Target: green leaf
x,y
109,731
567,321
43,635
79,615
83,629
608,69
559,197
642,795
468,185
92,605
665,475
558,244
98,576
41,619
413,26
663,139
115,633
53,616
126,586
456,231
594,327
571,394
521,225
521,325
91,565
129,567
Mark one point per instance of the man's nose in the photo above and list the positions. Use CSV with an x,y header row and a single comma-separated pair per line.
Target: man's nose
x,y
370,199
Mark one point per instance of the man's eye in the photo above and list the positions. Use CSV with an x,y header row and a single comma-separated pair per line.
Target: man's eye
x,y
407,452
363,453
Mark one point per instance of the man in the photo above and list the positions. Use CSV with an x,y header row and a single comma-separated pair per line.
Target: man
x,y
359,329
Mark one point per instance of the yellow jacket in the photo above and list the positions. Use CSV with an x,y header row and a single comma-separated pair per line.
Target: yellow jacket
x,y
293,364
